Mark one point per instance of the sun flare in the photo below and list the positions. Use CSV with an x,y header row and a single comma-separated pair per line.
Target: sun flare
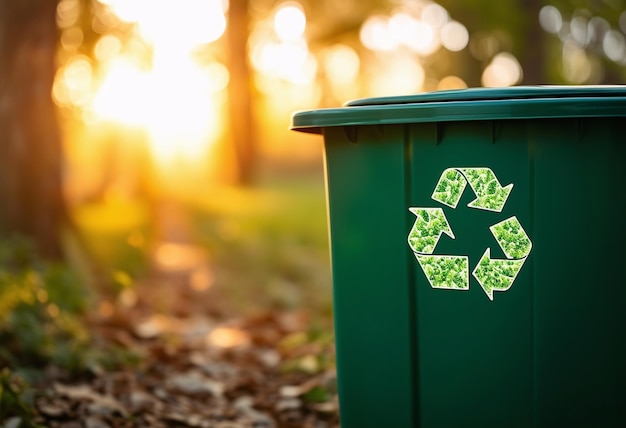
x,y
165,91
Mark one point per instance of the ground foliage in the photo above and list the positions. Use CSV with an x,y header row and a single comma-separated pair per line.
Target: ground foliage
x,y
170,347
191,365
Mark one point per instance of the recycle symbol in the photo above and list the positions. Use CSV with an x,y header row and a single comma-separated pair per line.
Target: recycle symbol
x,y
451,272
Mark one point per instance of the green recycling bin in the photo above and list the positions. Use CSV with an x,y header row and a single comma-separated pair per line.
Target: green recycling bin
x,y
478,247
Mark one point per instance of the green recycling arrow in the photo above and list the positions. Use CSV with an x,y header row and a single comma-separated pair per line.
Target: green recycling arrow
x,y
448,272
427,229
490,195
451,271
497,274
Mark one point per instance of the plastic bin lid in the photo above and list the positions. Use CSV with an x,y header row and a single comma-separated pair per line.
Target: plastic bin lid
x,y
518,102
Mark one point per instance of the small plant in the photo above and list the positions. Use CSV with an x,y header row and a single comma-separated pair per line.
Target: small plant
x,y
40,309
14,401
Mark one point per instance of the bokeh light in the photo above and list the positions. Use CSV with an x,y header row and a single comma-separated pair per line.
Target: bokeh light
x,y
188,22
71,38
148,78
150,57
454,36
341,68
451,82
121,94
576,63
579,30
434,15
73,83
280,55
503,70
614,46
107,48
341,63
68,12
289,22
398,75
550,19
375,34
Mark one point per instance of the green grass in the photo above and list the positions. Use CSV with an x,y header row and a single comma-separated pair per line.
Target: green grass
x,y
116,234
269,243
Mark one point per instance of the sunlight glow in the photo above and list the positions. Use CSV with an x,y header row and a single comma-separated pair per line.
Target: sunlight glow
x,y
190,22
434,15
375,35
341,63
504,70
401,30
289,61
341,68
186,118
71,38
286,69
73,82
122,93
176,99
107,47
68,12
289,22
174,256
451,82
398,76
228,337
413,33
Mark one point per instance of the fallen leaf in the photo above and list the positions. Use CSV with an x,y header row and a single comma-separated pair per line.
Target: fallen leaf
x,y
13,422
92,422
53,408
141,401
288,404
228,337
326,407
193,382
270,358
244,405
155,326
214,369
101,402
291,391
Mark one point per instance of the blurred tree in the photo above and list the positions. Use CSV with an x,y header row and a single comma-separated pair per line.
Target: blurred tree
x,y
241,119
532,50
30,142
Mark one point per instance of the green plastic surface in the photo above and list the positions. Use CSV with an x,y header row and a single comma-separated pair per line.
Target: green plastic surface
x,y
523,102
545,347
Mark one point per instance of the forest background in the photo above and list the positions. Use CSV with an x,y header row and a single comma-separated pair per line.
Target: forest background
x,y
149,183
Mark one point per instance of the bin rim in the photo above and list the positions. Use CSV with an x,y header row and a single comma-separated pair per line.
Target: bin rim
x,y
518,102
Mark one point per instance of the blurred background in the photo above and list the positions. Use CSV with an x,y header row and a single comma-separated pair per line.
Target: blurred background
x,y
145,151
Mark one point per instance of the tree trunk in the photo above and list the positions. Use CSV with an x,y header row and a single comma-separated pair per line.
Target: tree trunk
x,y
31,199
533,56
240,92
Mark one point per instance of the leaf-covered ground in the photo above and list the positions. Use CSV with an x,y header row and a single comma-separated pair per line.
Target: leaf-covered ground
x,y
226,324
198,372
